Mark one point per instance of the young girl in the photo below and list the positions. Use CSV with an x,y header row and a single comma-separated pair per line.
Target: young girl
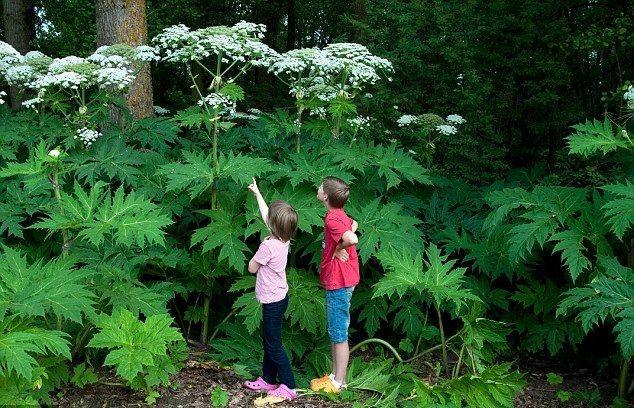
x,y
271,289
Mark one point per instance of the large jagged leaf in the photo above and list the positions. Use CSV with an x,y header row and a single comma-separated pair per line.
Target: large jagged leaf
x,y
610,294
241,168
570,243
127,219
37,289
596,136
437,277
249,310
119,288
134,345
224,231
385,224
409,317
372,376
154,133
35,167
196,174
306,307
523,237
20,345
110,160
311,169
395,166
620,211
494,387
371,311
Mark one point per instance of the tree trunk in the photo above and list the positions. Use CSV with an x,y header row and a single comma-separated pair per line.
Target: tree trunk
x,y
18,32
124,21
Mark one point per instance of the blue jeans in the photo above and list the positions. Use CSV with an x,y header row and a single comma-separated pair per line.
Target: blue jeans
x,y
338,313
276,363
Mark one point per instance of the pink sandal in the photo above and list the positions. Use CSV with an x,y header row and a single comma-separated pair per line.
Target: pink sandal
x,y
259,385
283,392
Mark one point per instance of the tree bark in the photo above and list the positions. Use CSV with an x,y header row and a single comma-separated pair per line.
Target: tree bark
x,y
125,22
18,32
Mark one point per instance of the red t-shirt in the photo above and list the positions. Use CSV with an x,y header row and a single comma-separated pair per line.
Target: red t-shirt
x,y
335,273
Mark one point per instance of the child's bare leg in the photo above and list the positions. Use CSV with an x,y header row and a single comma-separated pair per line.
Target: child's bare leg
x,y
334,359
340,361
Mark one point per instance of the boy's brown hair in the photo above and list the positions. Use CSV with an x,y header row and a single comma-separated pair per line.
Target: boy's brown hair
x,y
282,220
337,191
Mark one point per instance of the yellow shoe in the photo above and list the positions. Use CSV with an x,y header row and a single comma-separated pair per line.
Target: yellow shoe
x,y
315,381
324,384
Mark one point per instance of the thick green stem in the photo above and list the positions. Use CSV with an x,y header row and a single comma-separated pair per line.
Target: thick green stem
x,y
456,370
215,333
298,131
379,341
625,367
445,358
81,338
58,198
431,349
205,330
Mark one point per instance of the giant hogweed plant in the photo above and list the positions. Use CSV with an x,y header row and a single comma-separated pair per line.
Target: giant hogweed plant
x,y
590,229
223,54
98,240
105,209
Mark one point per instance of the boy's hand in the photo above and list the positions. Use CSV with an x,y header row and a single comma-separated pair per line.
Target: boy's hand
x,y
253,187
341,254
355,225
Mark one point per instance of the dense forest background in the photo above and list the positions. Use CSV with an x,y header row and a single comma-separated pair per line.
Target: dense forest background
x,y
524,71
525,210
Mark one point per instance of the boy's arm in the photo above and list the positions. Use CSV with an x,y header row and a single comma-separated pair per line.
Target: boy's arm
x,y
348,239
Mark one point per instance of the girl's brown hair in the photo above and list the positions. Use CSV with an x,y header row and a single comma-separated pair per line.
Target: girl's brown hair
x,y
282,220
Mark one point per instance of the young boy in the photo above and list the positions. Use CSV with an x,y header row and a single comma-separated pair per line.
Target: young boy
x,y
339,275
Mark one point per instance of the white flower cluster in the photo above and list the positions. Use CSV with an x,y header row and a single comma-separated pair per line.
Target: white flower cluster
x,y
319,111
360,122
2,95
159,110
455,119
254,111
19,74
8,56
629,97
146,53
111,66
340,69
87,136
241,42
32,103
447,129
118,78
447,126
218,102
407,120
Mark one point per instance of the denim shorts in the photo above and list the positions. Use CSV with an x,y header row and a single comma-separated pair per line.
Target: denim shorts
x,y
338,313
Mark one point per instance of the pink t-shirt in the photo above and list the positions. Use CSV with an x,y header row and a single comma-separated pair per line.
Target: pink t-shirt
x,y
270,283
